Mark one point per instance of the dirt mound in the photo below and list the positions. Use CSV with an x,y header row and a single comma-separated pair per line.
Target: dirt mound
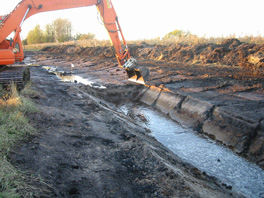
x,y
87,51
230,52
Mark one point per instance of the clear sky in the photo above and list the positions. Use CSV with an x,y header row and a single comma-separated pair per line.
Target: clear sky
x,y
146,19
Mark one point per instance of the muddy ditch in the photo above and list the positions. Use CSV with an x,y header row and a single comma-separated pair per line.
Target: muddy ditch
x,y
205,154
232,128
87,147
223,102
183,137
208,156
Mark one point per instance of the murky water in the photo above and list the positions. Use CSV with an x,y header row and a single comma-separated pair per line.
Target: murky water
x,y
206,154
72,78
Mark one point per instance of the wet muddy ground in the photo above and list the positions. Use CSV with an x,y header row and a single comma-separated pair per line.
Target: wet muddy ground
x,y
88,149
224,100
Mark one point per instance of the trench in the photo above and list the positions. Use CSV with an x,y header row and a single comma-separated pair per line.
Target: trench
x,y
205,154
69,77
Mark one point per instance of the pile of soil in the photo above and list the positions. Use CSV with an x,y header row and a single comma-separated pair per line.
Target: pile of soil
x,y
230,52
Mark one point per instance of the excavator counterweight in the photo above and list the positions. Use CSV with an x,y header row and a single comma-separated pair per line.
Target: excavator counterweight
x,y
7,57
11,51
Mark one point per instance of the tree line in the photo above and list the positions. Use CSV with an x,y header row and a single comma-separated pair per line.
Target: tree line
x,y
60,30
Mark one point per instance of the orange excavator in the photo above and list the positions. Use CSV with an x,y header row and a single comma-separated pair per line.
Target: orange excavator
x,y
11,50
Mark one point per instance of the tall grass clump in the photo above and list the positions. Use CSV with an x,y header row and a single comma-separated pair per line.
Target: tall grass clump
x,y
14,127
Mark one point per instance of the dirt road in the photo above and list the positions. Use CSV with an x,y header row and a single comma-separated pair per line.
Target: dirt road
x,y
85,148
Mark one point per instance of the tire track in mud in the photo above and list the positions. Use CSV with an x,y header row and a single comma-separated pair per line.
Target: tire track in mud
x,y
86,150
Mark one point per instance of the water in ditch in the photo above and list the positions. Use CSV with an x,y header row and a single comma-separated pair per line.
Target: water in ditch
x,y
205,154
69,77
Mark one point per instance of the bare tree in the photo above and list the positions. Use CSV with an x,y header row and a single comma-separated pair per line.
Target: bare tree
x,y
62,30
49,34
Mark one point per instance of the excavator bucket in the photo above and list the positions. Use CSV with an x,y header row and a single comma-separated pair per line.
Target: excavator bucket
x,y
136,73
139,75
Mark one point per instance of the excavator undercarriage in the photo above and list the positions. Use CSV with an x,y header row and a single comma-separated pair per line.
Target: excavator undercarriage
x,y
17,74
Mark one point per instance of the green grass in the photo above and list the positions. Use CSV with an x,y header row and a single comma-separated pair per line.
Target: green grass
x,y
14,127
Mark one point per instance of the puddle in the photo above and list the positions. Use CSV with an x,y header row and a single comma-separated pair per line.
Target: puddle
x,y
205,154
67,77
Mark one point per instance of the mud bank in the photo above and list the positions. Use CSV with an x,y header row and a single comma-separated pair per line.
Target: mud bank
x,y
236,124
223,100
220,122
88,149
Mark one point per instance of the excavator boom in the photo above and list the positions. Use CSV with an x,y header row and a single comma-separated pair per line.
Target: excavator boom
x,y
11,50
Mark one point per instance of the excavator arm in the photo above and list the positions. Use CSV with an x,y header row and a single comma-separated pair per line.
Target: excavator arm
x,y
11,50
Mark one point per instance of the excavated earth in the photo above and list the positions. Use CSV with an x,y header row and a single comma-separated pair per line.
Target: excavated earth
x,y
87,148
